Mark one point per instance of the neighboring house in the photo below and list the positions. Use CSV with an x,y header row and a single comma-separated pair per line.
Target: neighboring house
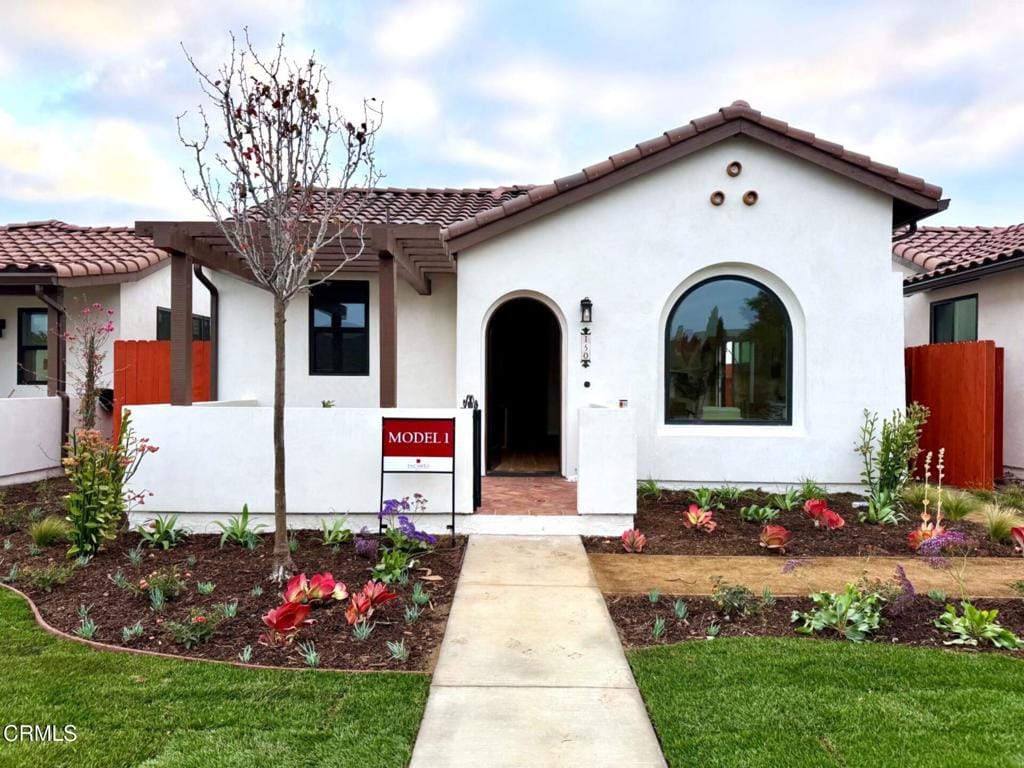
x,y
47,269
730,281
967,284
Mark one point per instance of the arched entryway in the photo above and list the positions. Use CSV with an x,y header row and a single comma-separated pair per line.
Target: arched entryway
x,y
523,403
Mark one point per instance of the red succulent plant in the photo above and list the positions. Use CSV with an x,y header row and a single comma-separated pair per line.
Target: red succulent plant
x,y
701,519
633,541
284,621
823,517
775,537
1017,534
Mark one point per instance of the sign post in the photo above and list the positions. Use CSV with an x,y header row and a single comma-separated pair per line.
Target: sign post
x,y
417,447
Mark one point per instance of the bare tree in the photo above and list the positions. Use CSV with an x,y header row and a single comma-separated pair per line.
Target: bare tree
x,y
280,147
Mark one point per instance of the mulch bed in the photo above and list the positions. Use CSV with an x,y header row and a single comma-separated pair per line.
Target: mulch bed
x,y
634,617
661,522
234,572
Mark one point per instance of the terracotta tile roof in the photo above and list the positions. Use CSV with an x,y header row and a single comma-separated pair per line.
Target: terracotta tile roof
x,y
66,250
739,113
391,205
945,250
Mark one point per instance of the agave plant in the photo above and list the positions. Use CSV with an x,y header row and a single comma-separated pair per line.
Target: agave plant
x,y
699,518
633,541
775,537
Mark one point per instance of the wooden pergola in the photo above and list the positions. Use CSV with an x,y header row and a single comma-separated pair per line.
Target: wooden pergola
x,y
411,251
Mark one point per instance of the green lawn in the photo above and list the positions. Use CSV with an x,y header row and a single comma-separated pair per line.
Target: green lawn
x,y
783,702
132,710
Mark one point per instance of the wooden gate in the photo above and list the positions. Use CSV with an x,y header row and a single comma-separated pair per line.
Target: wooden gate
x,y
142,374
962,386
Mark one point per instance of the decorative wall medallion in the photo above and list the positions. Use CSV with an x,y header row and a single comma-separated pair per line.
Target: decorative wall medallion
x,y
717,197
750,197
734,168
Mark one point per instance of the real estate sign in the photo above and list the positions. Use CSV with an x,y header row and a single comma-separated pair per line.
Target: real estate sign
x,y
418,445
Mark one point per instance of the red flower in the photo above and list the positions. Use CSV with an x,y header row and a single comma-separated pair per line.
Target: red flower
x,y
775,537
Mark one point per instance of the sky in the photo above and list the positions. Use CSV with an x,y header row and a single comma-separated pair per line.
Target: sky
x,y
513,91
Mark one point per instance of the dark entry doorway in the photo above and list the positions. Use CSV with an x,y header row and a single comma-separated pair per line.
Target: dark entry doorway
x,y
524,390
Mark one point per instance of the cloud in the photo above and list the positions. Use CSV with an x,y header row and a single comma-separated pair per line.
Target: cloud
x,y
417,30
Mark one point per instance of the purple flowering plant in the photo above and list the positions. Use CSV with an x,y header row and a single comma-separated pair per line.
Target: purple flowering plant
x,y
401,531
948,552
366,545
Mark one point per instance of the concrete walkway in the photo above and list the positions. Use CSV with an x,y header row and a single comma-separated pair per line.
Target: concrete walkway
x,y
531,671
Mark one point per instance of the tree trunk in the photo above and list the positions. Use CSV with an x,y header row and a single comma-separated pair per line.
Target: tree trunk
x,y
283,565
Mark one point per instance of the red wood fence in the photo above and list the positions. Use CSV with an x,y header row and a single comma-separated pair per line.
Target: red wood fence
x,y
142,374
962,386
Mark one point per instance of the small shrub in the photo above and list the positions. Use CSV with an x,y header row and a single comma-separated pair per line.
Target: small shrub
x,y
787,501
888,456
658,629
809,489
999,522
362,630
46,577
167,579
633,541
157,600
86,626
256,591
705,498
134,554
336,534
680,609
649,489
205,587
392,565
48,531
119,580
162,532
412,613
199,627
293,542
700,519
729,493
713,629
134,632
237,531
419,595
975,625
755,513
1012,496
230,609
738,600
245,655
853,613
956,505
937,595
308,652
914,494
398,651
653,596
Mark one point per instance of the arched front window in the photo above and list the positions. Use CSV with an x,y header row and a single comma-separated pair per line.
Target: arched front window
x,y
728,355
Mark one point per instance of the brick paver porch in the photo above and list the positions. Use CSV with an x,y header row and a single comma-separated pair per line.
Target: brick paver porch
x,y
528,496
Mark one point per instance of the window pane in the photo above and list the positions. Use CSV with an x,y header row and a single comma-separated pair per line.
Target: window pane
x,y
942,323
32,368
728,355
163,324
339,342
966,319
33,328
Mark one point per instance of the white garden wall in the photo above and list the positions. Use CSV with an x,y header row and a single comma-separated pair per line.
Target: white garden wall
x,y
1000,319
29,438
820,241
213,459
607,462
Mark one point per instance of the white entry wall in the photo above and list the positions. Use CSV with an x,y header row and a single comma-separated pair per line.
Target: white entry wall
x,y
820,241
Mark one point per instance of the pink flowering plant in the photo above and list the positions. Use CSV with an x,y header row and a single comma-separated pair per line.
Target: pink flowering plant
x,y
87,342
99,472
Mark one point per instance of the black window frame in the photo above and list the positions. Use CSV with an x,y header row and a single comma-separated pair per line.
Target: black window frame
x,y
943,302
788,422
22,347
200,331
340,287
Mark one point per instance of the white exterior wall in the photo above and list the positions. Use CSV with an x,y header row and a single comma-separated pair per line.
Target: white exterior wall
x,y
29,438
1000,319
820,241
140,299
212,460
426,348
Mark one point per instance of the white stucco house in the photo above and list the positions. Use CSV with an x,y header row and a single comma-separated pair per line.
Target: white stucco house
x,y
717,304
967,284
50,272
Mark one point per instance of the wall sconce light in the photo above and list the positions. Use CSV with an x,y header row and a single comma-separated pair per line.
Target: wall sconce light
x,y
585,347
586,310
